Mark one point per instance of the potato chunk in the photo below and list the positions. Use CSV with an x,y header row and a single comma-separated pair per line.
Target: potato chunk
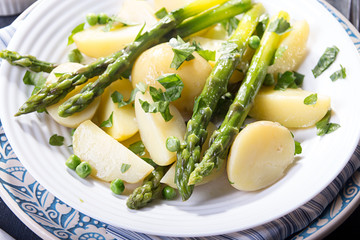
x,y
294,47
107,156
260,155
154,131
95,42
156,61
74,120
124,121
288,108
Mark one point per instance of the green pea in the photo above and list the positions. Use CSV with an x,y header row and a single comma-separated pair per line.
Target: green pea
x,y
117,186
168,193
83,169
254,42
92,19
172,144
103,18
72,162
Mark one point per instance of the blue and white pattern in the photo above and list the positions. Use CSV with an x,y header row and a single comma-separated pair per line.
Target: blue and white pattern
x,y
63,222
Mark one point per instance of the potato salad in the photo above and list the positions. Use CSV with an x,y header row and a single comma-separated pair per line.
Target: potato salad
x,y
173,94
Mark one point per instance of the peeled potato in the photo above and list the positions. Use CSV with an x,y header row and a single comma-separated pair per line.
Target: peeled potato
x,y
124,121
260,155
154,131
156,61
294,45
95,42
107,156
288,108
169,177
74,120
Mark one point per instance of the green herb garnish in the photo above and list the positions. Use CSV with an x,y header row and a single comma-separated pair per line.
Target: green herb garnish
x,y
230,25
182,51
279,26
340,74
289,80
125,167
311,99
109,122
56,140
173,88
77,29
324,126
35,79
138,148
325,60
298,148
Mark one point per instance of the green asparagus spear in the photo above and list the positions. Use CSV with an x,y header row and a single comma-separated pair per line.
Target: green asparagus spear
x,y
215,87
142,195
53,93
80,101
225,135
28,61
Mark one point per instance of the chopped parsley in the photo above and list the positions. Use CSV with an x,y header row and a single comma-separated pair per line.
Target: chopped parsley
x,y
182,51
324,126
109,122
289,80
173,88
340,74
311,99
56,140
78,28
125,167
325,61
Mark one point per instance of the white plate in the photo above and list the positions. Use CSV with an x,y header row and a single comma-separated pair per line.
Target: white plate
x,y
216,208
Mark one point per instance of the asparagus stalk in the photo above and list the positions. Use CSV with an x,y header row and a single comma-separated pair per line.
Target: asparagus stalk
x,y
215,87
112,67
92,90
142,195
225,135
28,61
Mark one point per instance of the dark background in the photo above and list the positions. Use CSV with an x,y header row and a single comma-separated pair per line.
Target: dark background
x,y
13,226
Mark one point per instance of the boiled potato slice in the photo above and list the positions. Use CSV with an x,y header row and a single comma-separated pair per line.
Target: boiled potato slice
x,y
260,155
156,61
107,156
170,5
154,131
95,42
288,108
124,121
74,120
294,45
170,174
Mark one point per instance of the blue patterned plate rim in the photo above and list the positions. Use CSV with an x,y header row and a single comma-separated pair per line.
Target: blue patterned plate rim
x,y
51,218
